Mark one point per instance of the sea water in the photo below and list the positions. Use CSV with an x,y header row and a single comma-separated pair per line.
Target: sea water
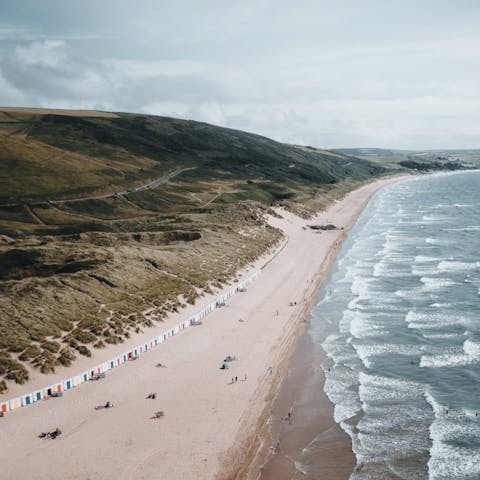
x,y
404,357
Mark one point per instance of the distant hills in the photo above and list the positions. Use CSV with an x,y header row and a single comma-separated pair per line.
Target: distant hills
x,y
417,159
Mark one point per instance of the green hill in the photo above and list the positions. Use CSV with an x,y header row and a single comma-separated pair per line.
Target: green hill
x,y
86,246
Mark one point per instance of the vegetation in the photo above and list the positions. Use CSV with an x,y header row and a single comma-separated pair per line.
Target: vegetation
x,y
78,273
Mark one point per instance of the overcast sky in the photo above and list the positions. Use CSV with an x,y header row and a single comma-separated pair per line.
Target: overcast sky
x,y
337,73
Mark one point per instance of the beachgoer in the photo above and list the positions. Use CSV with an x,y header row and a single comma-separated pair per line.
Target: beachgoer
x,y
245,377
236,379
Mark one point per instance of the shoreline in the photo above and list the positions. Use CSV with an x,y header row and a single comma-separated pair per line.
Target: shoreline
x,y
210,420
266,463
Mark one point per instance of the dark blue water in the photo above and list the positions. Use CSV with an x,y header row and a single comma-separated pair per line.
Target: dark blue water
x,y
404,299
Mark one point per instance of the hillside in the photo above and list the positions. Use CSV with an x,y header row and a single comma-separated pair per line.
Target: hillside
x,y
104,217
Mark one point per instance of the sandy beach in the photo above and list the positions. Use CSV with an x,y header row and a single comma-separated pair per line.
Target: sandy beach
x,y
211,423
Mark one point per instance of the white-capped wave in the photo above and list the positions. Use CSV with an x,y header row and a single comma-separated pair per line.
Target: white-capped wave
x,y
468,354
426,259
450,456
434,283
366,351
455,266
433,319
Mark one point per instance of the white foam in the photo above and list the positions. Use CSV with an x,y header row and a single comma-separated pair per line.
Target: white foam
x,y
468,354
364,326
377,389
471,348
447,360
365,352
426,259
455,266
433,219
449,460
434,283
433,320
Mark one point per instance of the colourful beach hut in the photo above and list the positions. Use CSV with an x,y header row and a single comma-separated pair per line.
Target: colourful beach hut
x,y
68,384
85,376
4,407
58,387
15,403
38,395
77,380
27,399
47,391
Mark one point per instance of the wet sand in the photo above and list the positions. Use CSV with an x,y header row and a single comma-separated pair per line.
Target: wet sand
x,y
310,443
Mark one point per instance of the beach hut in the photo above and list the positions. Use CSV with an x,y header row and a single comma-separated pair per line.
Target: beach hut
x,y
38,395
118,361
4,407
111,364
47,391
125,357
77,380
58,387
85,376
68,384
15,403
151,343
145,347
27,399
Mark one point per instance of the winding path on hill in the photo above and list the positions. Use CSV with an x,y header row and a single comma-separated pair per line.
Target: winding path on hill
x,y
152,184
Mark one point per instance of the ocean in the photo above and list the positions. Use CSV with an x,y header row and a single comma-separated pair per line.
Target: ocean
x,y
402,312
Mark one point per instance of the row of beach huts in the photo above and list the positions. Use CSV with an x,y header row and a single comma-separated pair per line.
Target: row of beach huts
x,y
57,389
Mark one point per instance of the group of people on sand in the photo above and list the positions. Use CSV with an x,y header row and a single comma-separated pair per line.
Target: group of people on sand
x,y
235,378
51,435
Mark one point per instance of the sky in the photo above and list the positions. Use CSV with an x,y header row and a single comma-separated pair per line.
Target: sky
x,y
331,74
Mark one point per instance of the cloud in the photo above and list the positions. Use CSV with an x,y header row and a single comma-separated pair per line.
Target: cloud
x,y
330,74
49,72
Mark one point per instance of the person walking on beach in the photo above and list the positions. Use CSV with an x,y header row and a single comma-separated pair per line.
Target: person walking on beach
x,y
236,379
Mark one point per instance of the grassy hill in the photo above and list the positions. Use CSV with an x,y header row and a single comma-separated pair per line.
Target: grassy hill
x,y
77,271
